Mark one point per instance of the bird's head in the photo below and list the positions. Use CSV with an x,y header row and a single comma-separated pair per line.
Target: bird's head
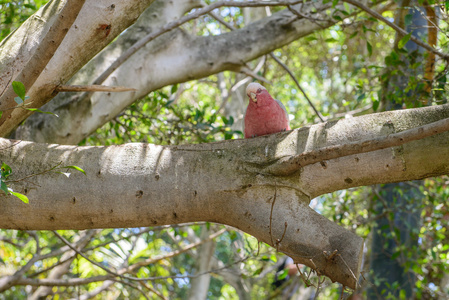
x,y
253,90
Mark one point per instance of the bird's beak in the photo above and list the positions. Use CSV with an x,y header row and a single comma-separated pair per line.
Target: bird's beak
x,y
253,96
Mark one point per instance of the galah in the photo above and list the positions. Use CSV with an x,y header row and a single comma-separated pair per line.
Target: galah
x,y
264,115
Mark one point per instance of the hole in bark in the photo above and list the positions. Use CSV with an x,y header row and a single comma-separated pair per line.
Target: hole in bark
x,y
323,164
139,194
157,176
25,191
175,215
52,219
73,200
348,180
111,211
195,193
357,159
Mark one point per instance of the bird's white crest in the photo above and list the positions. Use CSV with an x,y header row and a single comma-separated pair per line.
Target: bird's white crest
x,y
253,87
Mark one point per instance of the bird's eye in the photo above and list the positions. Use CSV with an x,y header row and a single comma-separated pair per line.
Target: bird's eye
x,y
259,90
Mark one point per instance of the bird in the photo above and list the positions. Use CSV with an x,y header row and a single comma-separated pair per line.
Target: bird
x,y
264,115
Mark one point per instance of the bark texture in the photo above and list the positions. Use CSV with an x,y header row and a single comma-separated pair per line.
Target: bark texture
x,y
228,182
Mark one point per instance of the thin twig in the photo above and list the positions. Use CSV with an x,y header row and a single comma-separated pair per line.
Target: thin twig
x,y
352,273
298,85
92,88
85,256
307,282
278,242
154,291
318,288
35,174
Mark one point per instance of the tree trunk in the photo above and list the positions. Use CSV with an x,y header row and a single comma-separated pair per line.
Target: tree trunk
x,y
390,233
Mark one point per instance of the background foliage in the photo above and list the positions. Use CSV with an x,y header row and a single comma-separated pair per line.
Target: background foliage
x,y
343,69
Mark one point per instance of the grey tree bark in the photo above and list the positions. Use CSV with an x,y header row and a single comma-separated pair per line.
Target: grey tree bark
x,y
227,182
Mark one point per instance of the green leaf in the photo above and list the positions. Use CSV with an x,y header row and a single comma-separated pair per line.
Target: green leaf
x,y
334,3
376,105
408,19
337,17
75,168
258,271
21,197
174,88
4,187
395,255
369,47
19,89
40,111
5,171
404,40
283,275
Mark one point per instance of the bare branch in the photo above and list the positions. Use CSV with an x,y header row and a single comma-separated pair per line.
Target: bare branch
x,y
92,88
171,254
284,66
62,282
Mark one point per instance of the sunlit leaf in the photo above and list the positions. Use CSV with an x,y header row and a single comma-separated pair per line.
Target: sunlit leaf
x,y
19,89
20,196
404,40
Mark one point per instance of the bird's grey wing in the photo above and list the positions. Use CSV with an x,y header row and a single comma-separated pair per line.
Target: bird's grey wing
x,y
283,108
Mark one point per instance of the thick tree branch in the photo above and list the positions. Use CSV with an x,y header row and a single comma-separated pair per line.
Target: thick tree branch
x,y
297,162
43,53
229,182
172,25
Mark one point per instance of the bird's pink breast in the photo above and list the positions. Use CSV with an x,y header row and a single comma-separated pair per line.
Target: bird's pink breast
x,y
267,119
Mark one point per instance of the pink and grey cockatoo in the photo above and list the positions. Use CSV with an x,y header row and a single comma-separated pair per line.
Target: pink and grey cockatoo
x,y
264,115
